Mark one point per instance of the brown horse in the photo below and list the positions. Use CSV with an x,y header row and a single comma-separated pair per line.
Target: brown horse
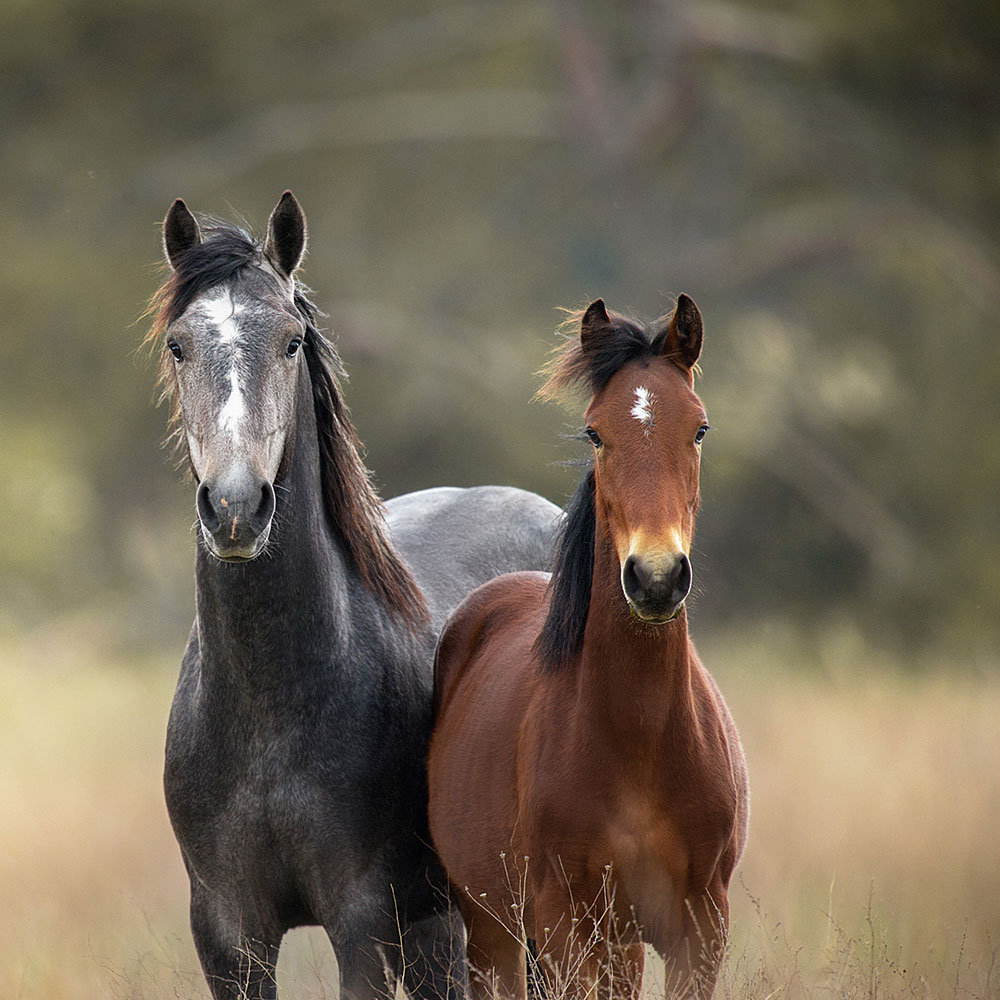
x,y
588,791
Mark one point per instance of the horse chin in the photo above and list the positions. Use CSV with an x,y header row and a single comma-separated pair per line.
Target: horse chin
x,y
649,618
234,556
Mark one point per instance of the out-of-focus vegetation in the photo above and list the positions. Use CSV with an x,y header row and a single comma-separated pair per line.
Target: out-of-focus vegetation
x,y
870,871
823,178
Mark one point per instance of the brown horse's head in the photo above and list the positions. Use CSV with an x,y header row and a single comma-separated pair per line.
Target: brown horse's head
x,y
646,424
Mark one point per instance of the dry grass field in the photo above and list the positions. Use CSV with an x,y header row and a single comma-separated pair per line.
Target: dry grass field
x,y
873,868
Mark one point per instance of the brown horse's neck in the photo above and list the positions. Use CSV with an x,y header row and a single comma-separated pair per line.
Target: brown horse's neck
x,y
640,674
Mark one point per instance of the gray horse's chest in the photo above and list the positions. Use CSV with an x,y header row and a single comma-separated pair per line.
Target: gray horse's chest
x,y
246,805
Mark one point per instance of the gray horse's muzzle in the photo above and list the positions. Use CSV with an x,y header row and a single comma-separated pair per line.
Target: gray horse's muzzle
x,y
235,513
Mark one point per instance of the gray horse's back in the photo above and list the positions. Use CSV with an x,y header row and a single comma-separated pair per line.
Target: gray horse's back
x,y
455,539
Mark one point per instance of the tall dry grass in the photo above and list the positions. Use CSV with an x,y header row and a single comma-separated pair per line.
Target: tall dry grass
x,y
873,868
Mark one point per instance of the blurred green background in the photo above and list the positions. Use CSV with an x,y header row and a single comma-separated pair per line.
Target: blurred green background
x,y
823,178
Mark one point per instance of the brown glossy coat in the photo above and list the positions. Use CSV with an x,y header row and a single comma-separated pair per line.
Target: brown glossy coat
x,y
598,802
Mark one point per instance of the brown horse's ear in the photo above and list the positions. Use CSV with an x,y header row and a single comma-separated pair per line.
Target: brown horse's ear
x,y
593,325
180,232
682,340
285,243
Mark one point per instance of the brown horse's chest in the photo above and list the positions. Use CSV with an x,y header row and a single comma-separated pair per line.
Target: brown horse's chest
x,y
660,858
650,860
648,826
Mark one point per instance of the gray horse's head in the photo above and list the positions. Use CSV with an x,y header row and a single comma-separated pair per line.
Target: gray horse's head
x,y
233,331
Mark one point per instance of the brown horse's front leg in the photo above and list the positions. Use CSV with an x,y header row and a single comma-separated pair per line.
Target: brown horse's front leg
x,y
587,957
497,967
623,974
694,959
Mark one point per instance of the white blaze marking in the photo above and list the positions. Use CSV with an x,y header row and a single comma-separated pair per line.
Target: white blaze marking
x,y
231,415
223,313
642,409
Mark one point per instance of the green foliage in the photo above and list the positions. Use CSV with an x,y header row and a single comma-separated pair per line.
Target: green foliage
x,y
823,179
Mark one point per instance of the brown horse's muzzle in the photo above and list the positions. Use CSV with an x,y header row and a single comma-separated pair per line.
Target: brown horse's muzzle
x,y
656,586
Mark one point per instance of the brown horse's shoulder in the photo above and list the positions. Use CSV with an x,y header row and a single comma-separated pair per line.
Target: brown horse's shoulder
x,y
500,602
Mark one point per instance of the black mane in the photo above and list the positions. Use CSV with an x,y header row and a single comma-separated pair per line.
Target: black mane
x,y
572,574
571,367
352,503
629,342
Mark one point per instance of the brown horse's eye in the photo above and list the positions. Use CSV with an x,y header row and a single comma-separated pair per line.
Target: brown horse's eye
x,y
175,350
595,438
702,431
293,347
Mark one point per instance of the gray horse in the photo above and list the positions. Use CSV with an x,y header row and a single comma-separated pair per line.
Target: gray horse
x,y
295,759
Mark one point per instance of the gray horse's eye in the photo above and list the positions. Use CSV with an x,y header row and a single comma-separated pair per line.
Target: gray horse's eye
x,y
293,347
175,350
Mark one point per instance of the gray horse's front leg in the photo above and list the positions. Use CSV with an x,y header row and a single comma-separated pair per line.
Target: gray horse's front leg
x,y
434,964
370,963
238,961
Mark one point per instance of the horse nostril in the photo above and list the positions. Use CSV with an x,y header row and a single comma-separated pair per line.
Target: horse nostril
x,y
635,578
682,584
265,509
206,512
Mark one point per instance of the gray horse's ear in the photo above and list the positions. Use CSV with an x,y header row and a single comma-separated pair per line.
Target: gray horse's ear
x,y
180,232
286,235
682,340
593,325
